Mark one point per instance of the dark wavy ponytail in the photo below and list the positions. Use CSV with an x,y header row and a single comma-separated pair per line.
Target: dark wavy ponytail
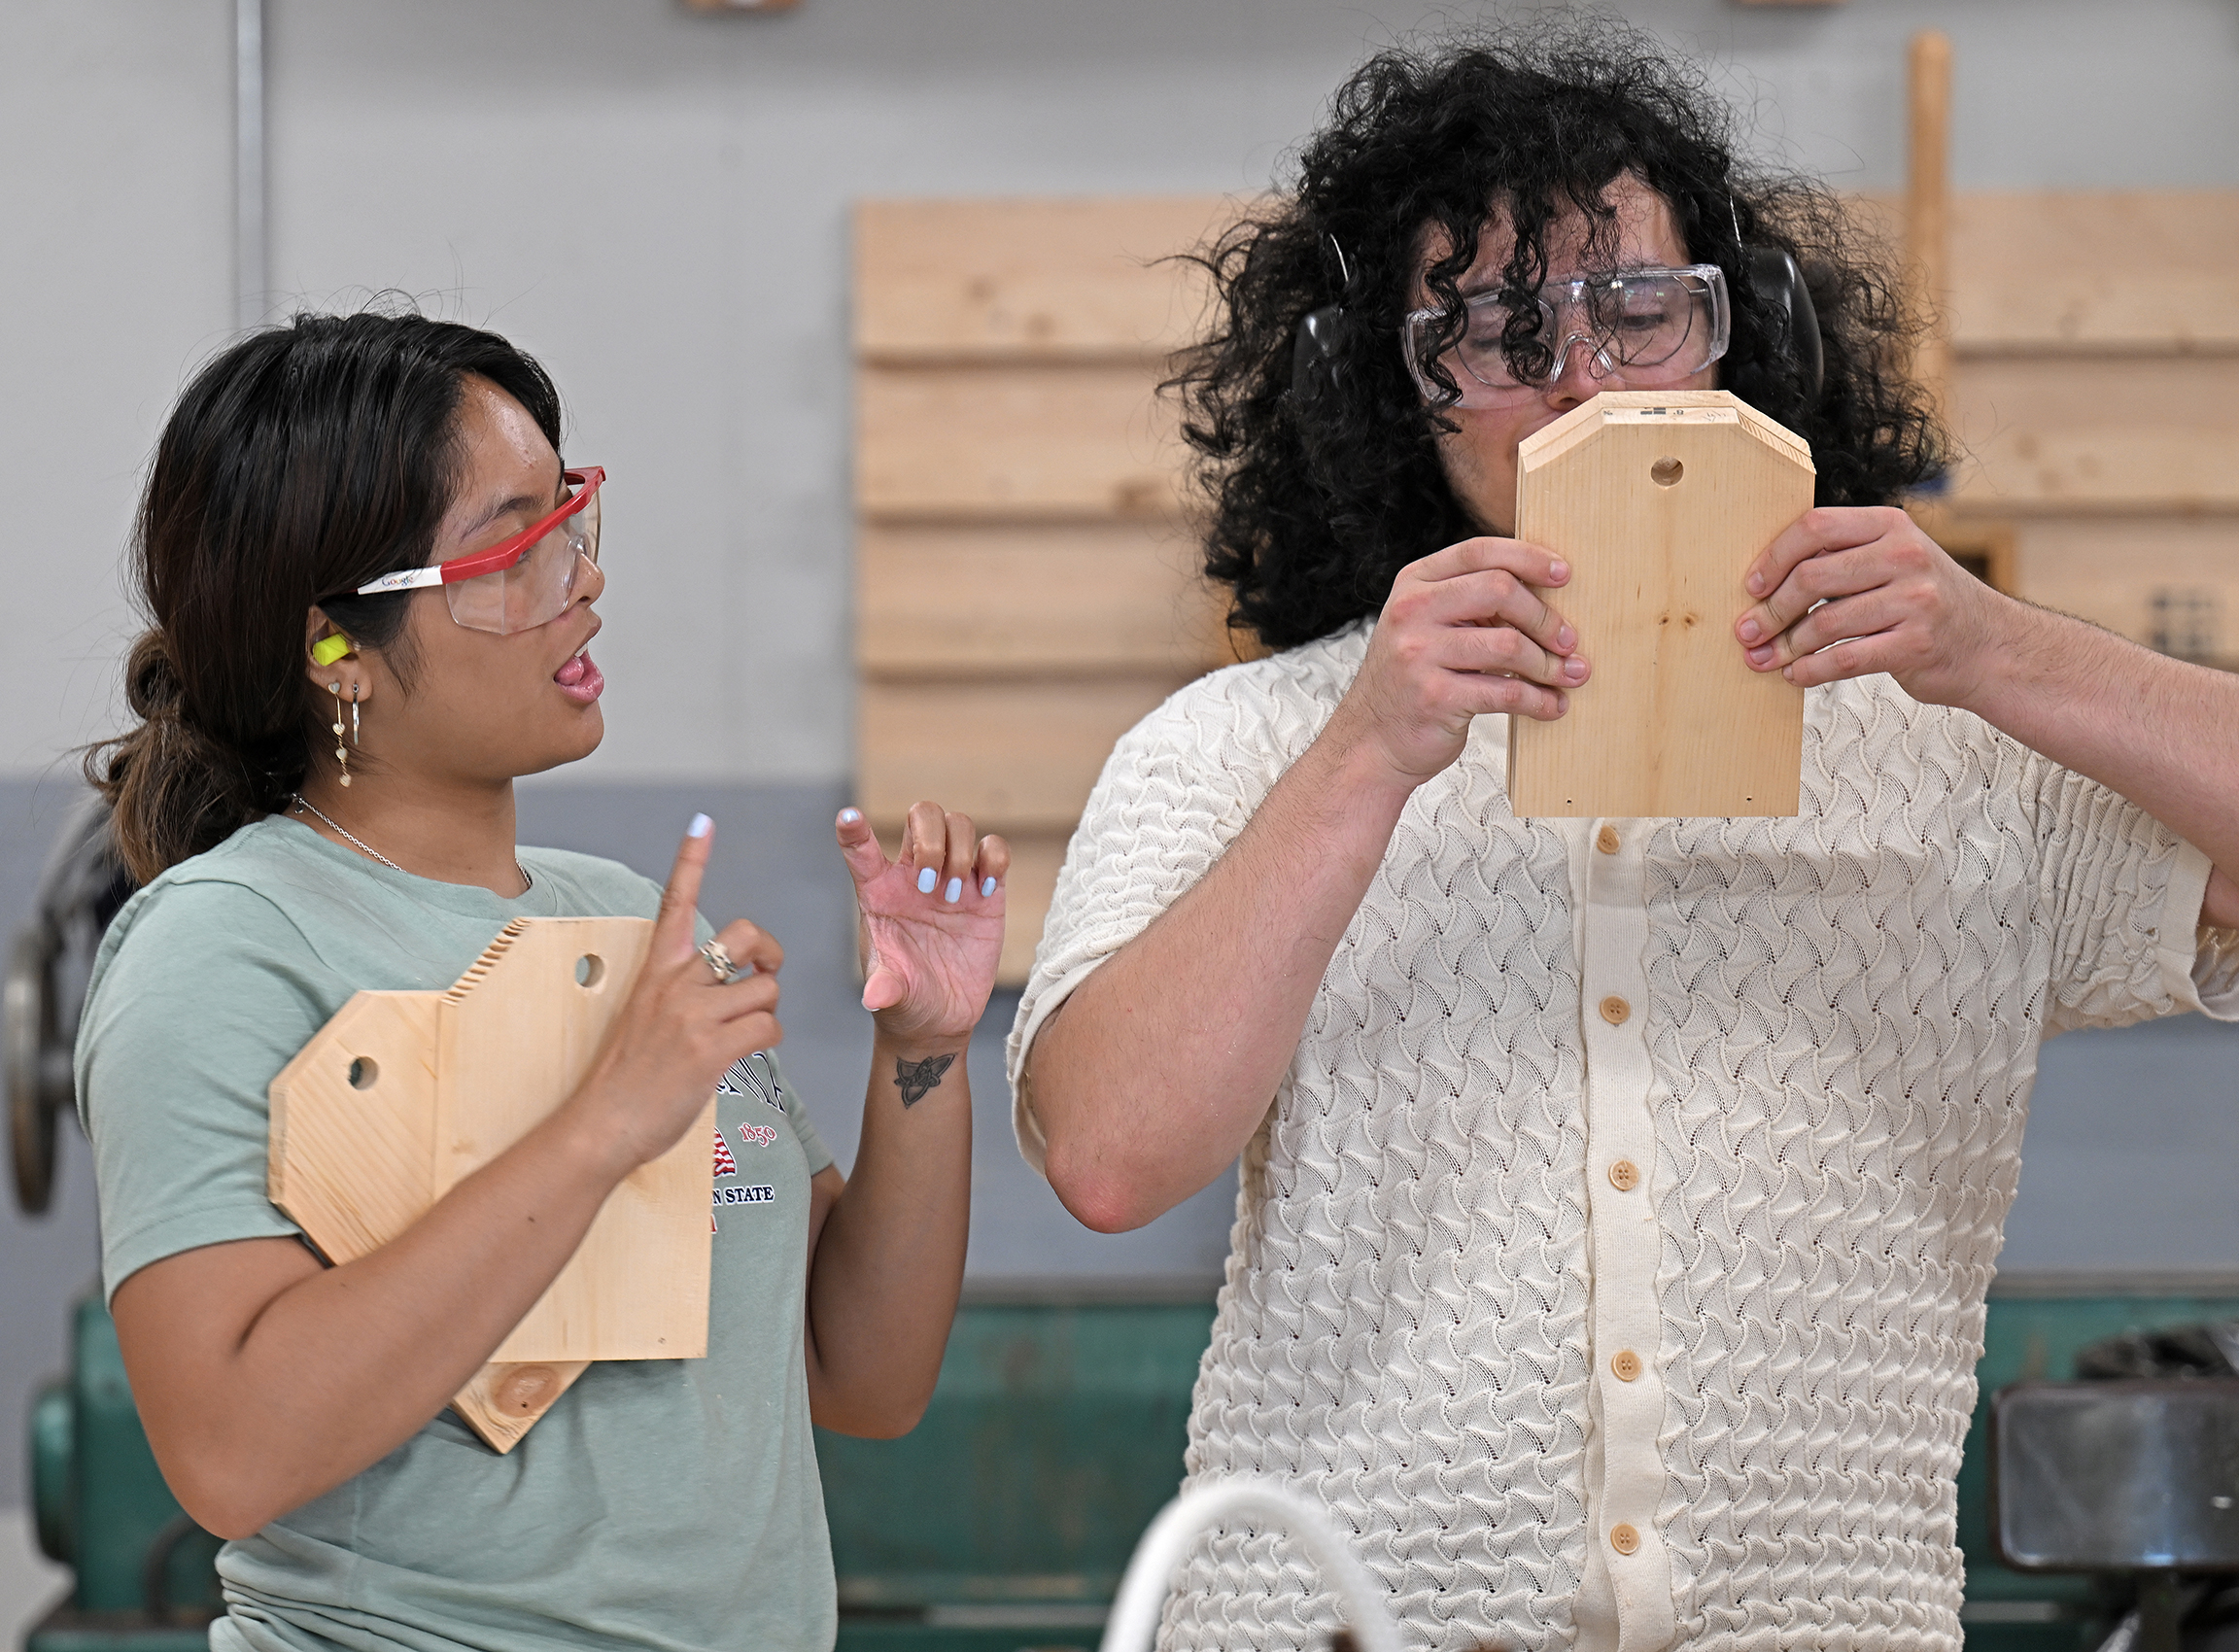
x,y
304,461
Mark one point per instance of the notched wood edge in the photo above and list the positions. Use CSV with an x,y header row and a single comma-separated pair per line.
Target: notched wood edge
x,y
479,970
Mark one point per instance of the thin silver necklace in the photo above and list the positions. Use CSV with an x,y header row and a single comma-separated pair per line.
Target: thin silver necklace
x,y
364,848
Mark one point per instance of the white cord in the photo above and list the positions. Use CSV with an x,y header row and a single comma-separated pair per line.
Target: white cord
x,y
1134,1620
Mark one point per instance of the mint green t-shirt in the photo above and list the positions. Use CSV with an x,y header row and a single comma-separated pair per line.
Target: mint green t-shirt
x,y
670,1503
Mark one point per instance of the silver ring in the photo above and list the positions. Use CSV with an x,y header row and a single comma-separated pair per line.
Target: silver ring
x,y
719,961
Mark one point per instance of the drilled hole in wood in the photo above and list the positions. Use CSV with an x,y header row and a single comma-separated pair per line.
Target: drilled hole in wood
x,y
364,1073
1665,472
590,970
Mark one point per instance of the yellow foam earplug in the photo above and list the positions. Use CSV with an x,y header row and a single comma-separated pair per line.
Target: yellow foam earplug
x,y
328,649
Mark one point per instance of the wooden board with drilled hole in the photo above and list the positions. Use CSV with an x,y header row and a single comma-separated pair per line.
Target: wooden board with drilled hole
x,y
1659,500
403,1094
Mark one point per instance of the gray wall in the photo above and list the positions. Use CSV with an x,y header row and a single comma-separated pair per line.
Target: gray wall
x,y
656,202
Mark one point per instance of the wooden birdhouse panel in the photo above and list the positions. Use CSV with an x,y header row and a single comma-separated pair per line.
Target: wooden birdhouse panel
x,y
403,1094
354,1125
516,1037
1659,502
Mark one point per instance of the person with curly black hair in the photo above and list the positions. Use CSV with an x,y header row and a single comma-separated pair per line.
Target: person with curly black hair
x,y
1618,1197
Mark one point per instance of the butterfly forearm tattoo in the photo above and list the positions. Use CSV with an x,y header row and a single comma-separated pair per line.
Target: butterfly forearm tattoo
x,y
918,1080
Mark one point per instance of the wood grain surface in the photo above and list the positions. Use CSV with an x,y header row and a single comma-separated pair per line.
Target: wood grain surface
x,y
1002,600
1014,756
401,1094
514,1038
1031,279
1014,443
1659,500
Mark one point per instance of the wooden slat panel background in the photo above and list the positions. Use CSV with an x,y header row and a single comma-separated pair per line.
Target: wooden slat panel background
x,y
2152,578
2126,271
1043,281
1001,600
1012,755
1024,579
1034,857
986,442
2099,433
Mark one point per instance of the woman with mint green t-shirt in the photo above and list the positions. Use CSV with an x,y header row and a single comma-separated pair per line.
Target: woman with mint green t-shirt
x,y
362,524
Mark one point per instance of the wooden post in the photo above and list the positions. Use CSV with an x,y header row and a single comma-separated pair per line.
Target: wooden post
x,y
1659,500
1928,207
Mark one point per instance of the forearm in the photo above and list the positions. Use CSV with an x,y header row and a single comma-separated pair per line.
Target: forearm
x,y
346,1363
2162,732
1156,1070
889,1259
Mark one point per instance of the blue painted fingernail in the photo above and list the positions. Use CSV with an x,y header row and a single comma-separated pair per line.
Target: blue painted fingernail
x,y
701,825
954,891
848,816
988,886
926,879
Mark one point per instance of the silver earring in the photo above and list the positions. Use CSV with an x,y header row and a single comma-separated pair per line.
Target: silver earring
x,y
341,752
355,689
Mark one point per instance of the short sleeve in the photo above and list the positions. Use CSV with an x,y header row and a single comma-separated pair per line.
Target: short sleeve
x,y
2215,972
206,996
1174,794
2125,894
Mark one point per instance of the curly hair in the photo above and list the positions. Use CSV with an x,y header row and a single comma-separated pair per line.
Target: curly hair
x,y
1315,504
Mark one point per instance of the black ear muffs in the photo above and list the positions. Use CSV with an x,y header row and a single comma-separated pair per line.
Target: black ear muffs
x,y
1317,356
1778,284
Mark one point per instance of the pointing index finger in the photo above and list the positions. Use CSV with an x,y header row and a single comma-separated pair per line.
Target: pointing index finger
x,y
673,929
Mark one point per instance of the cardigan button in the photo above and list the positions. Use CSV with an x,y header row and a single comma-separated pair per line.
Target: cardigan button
x,y
1624,1539
1614,1009
1606,839
1624,1176
1627,1366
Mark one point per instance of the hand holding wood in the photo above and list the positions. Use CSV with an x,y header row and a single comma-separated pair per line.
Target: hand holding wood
x,y
1462,635
1847,591
931,923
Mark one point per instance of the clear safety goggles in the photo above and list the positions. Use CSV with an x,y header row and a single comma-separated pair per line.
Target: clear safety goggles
x,y
526,579
1646,328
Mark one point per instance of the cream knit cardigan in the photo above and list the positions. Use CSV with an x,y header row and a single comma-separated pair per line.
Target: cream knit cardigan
x,y
1810,1043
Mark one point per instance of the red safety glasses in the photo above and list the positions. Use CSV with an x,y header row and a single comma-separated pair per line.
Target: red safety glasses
x,y
526,579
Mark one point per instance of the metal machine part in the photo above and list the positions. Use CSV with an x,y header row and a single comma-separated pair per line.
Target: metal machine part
x,y
2136,1477
145,1573
81,890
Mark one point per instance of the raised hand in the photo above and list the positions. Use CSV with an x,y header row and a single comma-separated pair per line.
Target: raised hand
x,y
683,1028
931,923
